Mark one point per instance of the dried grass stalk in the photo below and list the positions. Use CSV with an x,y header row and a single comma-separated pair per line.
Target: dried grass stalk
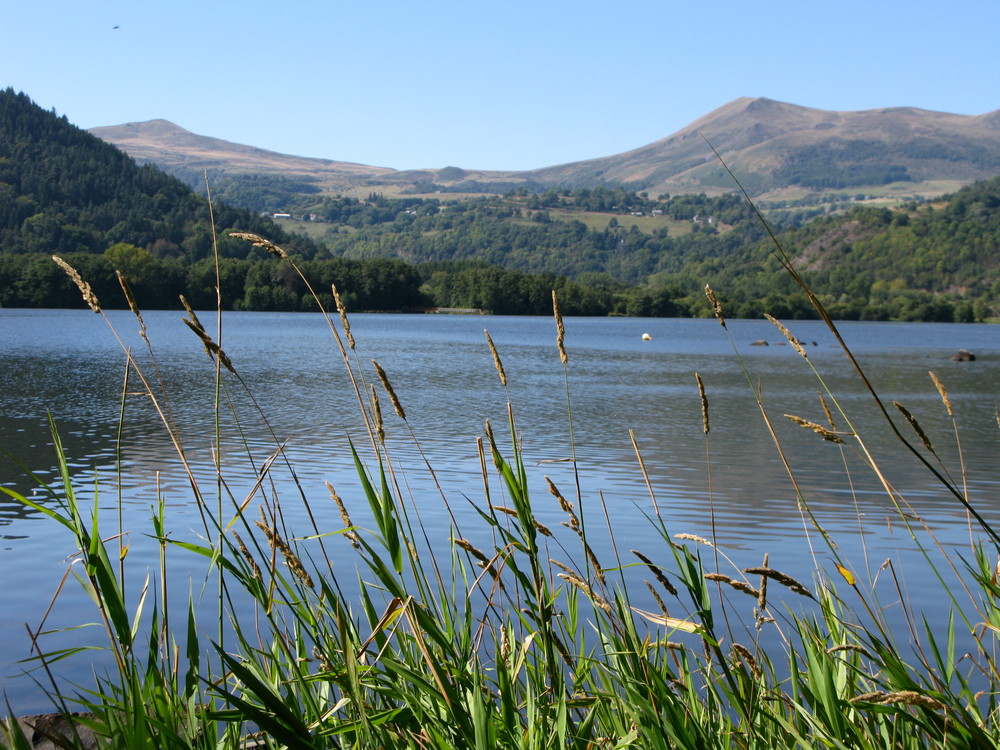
x,y
911,698
704,403
248,557
132,305
829,414
874,697
716,307
257,241
595,564
748,658
342,311
694,538
743,586
944,393
762,598
291,559
190,311
211,347
785,580
473,550
563,566
656,598
88,294
344,516
850,647
580,584
796,344
565,504
915,425
377,416
656,571
560,329
496,358
825,433
908,697
388,389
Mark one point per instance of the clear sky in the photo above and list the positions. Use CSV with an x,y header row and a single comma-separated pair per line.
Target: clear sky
x,y
517,84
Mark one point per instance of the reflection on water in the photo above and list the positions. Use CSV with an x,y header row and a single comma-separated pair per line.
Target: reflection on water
x,y
731,485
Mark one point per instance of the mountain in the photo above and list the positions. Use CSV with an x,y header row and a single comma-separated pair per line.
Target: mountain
x,y
187,156
772,145
776,149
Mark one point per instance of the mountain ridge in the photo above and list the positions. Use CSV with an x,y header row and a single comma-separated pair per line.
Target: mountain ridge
x,y
775,146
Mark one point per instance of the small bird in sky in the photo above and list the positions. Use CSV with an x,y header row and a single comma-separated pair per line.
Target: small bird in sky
x,y
115,27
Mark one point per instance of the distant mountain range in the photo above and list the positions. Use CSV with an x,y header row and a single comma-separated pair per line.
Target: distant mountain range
x,y
776,149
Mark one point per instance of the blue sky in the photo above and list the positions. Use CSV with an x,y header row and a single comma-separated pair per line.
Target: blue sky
x,y
503,85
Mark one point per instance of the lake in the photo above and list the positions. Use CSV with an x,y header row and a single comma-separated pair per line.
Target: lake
x,y
731,486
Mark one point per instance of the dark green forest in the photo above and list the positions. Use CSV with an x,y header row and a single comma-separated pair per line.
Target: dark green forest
x,y
64,191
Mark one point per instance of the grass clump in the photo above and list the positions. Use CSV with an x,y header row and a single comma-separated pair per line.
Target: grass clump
x,y
510,634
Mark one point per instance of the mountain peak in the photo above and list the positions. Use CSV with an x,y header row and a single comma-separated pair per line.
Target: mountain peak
x,y
151,128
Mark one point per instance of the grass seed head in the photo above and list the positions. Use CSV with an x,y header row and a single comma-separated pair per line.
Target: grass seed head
x,y
211,347
656,598
944,393
560,329
566,505
342,311
291,559
388,389
581,585
716,307
912,420
829,414
819,429
543,529
748,658
127,290
694,538
344,516
257,241
912,698
796,344
785,580
473,550
496,358
746,588
655,570
88,294
704,403
248,557
377,415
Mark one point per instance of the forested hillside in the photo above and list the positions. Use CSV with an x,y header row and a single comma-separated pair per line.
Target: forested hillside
x,y
915,262
64,190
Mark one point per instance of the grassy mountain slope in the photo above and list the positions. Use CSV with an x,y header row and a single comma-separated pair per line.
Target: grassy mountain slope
x,y
774,145
187,156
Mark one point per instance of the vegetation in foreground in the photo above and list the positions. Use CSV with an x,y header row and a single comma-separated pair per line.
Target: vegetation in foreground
x,y
526,640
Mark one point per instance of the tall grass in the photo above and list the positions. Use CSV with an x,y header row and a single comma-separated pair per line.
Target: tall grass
x,y
527,640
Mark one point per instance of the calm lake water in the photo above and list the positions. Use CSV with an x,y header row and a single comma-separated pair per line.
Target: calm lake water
x,y
731,486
